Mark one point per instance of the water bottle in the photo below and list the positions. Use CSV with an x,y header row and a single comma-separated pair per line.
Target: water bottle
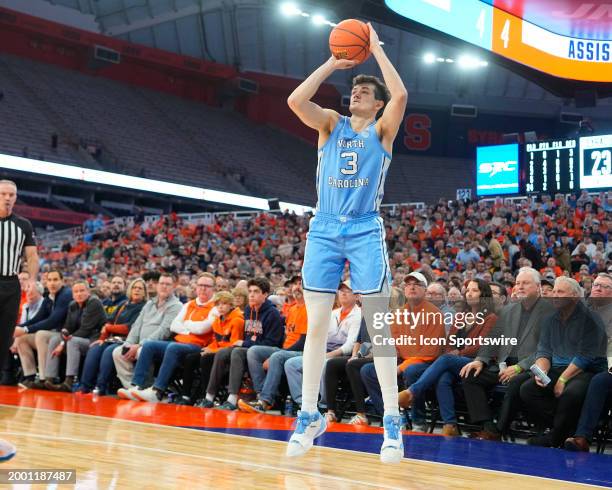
x,y
288,407
502,366
537,371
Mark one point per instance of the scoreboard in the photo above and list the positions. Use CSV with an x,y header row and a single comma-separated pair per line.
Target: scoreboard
x,y
548,167
482,24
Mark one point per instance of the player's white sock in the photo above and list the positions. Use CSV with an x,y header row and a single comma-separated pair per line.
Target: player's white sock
x,y
318,307
385,357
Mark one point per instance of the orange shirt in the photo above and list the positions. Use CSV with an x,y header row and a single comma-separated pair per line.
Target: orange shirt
x,y
295,325
196,313
227,330
429,324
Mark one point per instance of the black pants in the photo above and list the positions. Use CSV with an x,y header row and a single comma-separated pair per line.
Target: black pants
x,y
191,363
562,413
339,368
476,389
232,359
10,297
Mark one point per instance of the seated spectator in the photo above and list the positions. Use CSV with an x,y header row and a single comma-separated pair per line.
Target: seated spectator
x,y
600,387
415,358
24,280
341,336
34,334
436,295
349,368
569,340
444,372
83,324
241,298
267,363
33,303
99,366
117,296
153,323
500,296
193,326
263,326
228,328
520,320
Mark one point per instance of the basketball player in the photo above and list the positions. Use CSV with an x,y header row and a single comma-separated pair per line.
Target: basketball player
x,y
16,240
354,155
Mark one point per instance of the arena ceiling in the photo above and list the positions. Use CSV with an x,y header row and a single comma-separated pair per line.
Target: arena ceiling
x,y
253,35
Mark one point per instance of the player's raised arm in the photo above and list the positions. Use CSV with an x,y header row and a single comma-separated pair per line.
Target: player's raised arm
x,y
311,114
393,115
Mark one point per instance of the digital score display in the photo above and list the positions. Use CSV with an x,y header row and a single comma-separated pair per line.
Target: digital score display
x,y
483,24
596,162
550,167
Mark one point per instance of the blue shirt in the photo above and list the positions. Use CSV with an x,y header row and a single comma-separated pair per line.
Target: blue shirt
x,y
351,171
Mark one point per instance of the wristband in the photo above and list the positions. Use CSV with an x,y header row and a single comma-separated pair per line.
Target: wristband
x,y
563,379
25,329
518,369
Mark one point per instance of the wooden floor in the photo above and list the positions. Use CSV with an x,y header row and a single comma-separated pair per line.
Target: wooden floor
x,y
114,453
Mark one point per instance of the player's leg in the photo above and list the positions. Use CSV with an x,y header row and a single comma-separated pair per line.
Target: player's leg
x,y
321,275
367,254
10,295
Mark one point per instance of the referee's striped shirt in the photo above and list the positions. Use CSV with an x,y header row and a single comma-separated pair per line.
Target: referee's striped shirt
x,y
16,233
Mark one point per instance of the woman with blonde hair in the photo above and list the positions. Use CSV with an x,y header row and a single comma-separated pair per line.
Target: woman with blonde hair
x,y
99,365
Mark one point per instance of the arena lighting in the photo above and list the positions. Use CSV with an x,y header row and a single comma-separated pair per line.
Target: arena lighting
x,y
429,58
469,62
319,20
290,9
136,183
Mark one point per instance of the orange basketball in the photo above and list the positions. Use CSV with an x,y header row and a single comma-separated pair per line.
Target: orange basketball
x,y
350,40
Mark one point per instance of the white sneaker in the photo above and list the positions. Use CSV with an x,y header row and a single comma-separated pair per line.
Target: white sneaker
x,y
392,450
126,394
7,450
309,426
146,395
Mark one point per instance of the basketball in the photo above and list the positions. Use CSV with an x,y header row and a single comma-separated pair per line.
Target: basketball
x,y
350,40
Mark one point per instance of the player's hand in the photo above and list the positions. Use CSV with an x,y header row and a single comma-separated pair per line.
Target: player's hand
x,y
374,41
475,366
342,64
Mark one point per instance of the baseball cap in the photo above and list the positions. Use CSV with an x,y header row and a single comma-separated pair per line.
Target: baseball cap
x,y
346,284
548,281
418,276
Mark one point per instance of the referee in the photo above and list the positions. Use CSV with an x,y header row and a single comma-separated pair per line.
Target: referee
x,y
16,240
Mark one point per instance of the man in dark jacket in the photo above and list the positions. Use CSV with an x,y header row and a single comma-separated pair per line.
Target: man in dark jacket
x,y
35,334
85,319
263,325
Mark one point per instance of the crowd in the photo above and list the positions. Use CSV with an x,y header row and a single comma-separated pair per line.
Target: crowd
x,y
214,305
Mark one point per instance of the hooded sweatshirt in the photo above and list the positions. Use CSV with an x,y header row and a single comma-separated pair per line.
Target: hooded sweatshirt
x,y
263,326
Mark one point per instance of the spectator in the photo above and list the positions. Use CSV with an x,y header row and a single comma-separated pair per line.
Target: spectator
x,y
241,298
35,334
153,323
600,387
116,297
341,336
415,358
193,326
339,367
33,304
99,366
520,320
263,326
443,373
271,359
568,343
500,296
84,320
436,295
227,329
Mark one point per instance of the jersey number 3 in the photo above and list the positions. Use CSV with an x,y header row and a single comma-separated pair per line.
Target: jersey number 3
x,y
351,163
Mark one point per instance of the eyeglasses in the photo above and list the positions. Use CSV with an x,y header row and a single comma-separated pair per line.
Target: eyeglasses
x,y
208,286
607,287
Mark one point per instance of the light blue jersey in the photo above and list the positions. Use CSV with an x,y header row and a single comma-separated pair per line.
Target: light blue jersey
x,y
346,227
351,172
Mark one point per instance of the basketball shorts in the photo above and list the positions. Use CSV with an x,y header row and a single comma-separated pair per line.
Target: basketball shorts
x,y
333,240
